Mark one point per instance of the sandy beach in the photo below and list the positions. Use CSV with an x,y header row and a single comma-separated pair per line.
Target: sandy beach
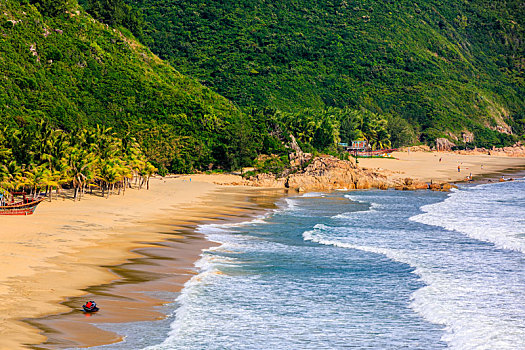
x,y
118,249
51,257
441,166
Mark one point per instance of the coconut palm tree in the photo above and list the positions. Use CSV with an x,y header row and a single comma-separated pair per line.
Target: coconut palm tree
x,y
150,170
108,174
79,161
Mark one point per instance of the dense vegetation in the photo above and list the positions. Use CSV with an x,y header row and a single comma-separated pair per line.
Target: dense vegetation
x,y
443,66
42,158
325,73
62,66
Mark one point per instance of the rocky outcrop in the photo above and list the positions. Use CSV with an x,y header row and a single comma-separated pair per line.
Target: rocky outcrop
x,y
409,184
443,144
298,158
467,137
420,148
267,180
443,187
515,151
327,173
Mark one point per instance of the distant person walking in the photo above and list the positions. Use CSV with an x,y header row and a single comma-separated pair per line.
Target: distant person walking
x,y
459,168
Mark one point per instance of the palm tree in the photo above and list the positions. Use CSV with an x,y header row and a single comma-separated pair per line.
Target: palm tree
x,y
108,174
14,176
148,171
39,178
80,162
41,157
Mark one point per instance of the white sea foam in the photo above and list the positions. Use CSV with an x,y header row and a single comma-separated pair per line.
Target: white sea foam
x,y
373,205
221,233
314,194
191,290
463,302
353,198
351,214
491,213
287,205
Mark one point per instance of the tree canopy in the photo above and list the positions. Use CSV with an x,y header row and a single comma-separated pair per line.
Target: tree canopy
x,y
440,65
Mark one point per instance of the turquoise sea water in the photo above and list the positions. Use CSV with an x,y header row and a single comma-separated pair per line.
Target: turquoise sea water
x,y
360,269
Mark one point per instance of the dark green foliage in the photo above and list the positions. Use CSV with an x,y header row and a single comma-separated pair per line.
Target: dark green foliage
x,y
322,72
112,12
488,138
437,64
273,165
518,125
400,131
117,13
74,72
51,7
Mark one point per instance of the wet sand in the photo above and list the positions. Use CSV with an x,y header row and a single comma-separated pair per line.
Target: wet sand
x,y
51,259
161,269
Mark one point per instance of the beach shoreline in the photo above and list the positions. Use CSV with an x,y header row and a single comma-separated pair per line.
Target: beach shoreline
x,y
52,257
162,269
49,257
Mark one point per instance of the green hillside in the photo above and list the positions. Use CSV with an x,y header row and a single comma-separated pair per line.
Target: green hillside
x,y
82,102
444,66
60,65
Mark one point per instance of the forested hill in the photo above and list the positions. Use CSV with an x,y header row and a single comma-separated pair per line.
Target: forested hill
x,y
60,65
323,72
445,66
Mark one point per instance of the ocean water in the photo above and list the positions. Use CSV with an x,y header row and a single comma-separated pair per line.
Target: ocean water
x,y
360,269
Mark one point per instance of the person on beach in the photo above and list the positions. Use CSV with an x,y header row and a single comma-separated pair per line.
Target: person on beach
x,y
459,168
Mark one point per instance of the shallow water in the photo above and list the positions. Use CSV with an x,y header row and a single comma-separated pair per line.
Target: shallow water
x,y
366,270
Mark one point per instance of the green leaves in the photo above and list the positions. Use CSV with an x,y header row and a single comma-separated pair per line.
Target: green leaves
x,y
117,13
53,158
421,62
51,7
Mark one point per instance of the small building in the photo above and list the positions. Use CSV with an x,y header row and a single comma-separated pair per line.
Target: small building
x,y
359,145
355,146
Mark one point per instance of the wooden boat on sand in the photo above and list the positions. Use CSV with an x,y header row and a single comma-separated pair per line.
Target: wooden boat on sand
x,y
26,206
